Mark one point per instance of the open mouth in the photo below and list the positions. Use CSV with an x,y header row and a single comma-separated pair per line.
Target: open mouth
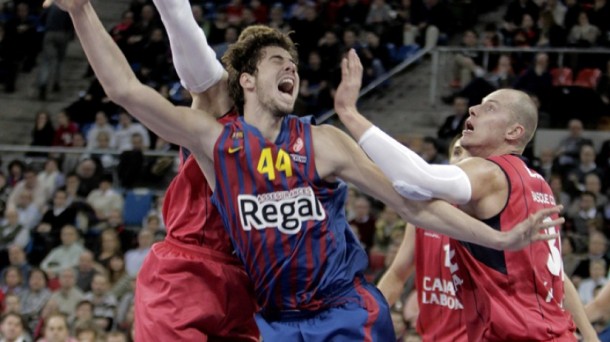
x,y
286,86
468,127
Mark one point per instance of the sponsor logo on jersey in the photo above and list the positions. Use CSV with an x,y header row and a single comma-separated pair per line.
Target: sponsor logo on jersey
x,y
234,149
297,158
284,210
298,145
432,235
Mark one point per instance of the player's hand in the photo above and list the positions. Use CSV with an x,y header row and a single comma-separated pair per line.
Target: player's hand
x,y
529,230
351,81
66,5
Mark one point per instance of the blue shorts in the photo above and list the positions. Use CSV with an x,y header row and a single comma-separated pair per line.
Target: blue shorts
x,y
604,336
367,320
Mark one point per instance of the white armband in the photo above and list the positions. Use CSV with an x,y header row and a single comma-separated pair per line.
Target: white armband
x,y
411,176
195,61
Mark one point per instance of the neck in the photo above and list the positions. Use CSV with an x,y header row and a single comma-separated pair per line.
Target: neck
x,y
491,151
267,123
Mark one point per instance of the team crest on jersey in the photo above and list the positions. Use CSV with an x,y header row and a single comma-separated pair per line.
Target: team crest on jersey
x,y
284,210
237,135
298,145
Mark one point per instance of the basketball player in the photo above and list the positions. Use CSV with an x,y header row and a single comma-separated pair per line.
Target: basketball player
x,y
599,309
516,295
322,285
440,310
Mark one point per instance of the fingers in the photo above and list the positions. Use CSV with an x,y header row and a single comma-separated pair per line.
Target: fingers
x,y
47,3
543,237
542,213
344,69
548,224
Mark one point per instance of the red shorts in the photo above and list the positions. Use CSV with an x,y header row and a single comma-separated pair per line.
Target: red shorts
x,y
192,293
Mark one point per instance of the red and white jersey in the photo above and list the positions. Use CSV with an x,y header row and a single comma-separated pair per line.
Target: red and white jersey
x,y
515,295
441,315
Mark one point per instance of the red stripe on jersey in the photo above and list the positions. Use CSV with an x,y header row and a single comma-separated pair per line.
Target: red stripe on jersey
x,y
372,307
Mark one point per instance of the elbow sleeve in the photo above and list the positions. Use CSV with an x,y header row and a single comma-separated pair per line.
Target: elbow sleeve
x,y
411,176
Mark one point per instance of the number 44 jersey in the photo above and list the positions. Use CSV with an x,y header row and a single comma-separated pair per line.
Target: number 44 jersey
x,y
515,295
287,225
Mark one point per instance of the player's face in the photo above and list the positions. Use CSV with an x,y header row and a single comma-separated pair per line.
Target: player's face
x,y
277,81
487,124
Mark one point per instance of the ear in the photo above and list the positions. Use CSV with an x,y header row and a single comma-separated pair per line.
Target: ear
x,y
246,81
515,132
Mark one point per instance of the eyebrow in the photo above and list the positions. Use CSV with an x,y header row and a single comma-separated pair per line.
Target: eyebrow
x,y
282,58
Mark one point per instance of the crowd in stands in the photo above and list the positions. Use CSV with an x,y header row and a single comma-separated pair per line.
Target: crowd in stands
x,y
69,249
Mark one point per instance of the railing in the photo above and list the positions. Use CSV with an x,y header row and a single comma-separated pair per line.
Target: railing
x,y
438,62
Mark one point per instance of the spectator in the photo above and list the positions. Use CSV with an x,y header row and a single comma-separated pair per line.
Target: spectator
x,y
115,222
68,295
56,329
529,30
588,217
375,58
17,259
126,129
568,149
29,183
551,33
116,336
364,221
51,178
15,172
12,232
597,249
14,328
46,235
537,79
386,224
570,258
43,132
65,255
514,14
35,297
135,257
12,303
101,124
436,22
558,10
353,12
13,281
109,246
585,166
120,281
314,91
104,303
85,330
308,29
130,169
71,160
583,34
276,18
104,199
231,35
454,123
58,31
106,160
593,185
597,277
21,32
29,214
431,151
89,174
65,131
85,270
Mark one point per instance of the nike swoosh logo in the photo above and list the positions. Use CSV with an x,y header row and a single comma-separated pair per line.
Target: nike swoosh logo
x,y
234,149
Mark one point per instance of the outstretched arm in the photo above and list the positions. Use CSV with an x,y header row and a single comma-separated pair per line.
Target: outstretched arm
x,y
414,178
199,70
174,124
575,307
393,281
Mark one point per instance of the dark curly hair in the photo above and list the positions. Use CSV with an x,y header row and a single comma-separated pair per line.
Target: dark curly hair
x,y
244,55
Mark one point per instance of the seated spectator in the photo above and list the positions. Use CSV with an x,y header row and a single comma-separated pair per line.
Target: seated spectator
x,y
106,160
51,178
116,336
109,245
314,91
552,34
4,191
13,281
13,327
43,132
70,161
593,185
529,30
12,303
104,303
386,224
514,15
120,282
588,217
56,329
431,151
46,236
135,257
68,295
82,321
65,255
17,259
537,79
597,249
86,269
35,297
101,124
277,18
597,277
569,256
561,196
64,133
230,37
375,57
586,165
29,183
12,232
568,149
125,131
104,199
583,34
16,169
89,174
454,123
115,222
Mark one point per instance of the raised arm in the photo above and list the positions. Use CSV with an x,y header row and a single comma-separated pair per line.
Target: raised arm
x,y
175,124
599,308
196,64
348,162
393,280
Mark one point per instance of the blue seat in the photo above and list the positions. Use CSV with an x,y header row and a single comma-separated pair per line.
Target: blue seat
x,y
137,204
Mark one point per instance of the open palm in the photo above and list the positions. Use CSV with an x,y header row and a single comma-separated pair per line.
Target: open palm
x,y
351,81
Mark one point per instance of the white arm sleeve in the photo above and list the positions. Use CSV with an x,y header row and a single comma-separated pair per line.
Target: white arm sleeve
x,y
194,59
412,176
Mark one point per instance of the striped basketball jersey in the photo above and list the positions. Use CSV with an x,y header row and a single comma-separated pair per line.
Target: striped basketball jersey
x,y
515,295
287,225
441,315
